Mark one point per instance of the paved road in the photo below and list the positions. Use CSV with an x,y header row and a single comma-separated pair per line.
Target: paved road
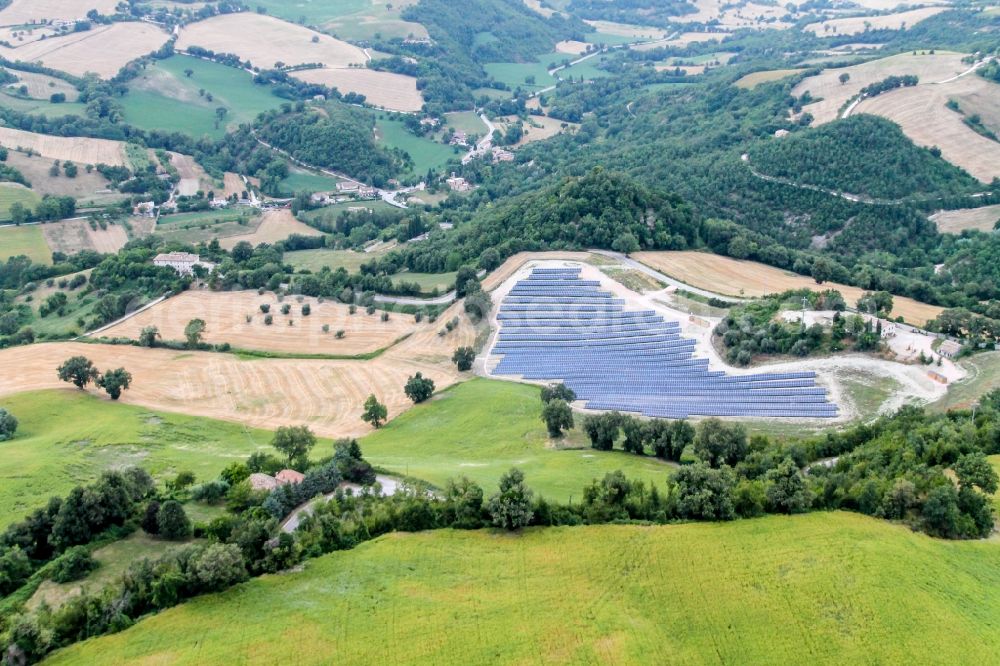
x,y
291,523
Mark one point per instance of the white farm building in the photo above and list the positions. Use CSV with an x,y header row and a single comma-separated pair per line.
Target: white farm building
x,y
182,262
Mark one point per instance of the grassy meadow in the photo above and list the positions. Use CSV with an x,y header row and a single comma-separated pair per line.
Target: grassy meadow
x,y
26,240
300,180
67,437
164,98
314,12
316,260
824,588
207,224
426,153
482,428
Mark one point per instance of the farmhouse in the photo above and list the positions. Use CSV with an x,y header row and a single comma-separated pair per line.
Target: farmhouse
x,y
346,186
949,349
367,192
144,209
289,476
182,262
459,138
502,155
458,184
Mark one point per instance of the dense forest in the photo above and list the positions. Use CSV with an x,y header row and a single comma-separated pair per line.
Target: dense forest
x,y
864,155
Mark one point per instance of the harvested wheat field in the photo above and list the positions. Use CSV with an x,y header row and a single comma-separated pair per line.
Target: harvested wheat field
x,y
925,119
265,393
539,128
72,236
75,149
233,184
42,86
85,187
20,12
225,315
684,39
732,277
396,92
276,225
855,25
957,221
626,30
82,52
833,94
572,47
536,6
193,177
264,41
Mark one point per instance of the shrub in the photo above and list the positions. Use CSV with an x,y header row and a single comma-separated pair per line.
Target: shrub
x,y
172,522
268,320
265,307
72,565
8,425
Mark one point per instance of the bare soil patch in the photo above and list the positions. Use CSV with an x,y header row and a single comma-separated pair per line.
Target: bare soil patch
x,y
264,41
72,236
103,50
233,184
276,225
684,39
225,315
193,177
626,30
733,277
753,80
396,92
85,187
75,149
572,47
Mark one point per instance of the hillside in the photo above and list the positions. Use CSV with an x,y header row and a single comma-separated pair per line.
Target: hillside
x,y
831,588
862,155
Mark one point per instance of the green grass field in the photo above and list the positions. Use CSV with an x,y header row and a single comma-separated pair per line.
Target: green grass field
x,y
514,73
28,105
824,588
587,69
482,428
205,225
466,121
983,376
67,438
314,12
26,240
426,153
299,180
164,98
315,260
428,281
114,559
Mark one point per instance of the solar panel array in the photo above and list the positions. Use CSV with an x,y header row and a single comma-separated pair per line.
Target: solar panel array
x,y
556,326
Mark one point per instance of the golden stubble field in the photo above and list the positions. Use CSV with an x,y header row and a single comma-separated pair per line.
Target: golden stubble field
x,y
833,94
389,90
225,315
276,225
326,395
72,236
103,50
732,277
21,12
922,114
956,221
75,149
857,24
265,41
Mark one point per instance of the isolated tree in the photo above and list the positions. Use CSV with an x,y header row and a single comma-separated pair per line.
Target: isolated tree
x,y
114,382
184,479
418,388
70,169
558,391
972,470
172,522
78,370
54,169
463,358
844,78
148,336
148,523
510,507
295,442
8,425
18,213
193,332
188,72
558,417
626,243
822,270
719,443
375,412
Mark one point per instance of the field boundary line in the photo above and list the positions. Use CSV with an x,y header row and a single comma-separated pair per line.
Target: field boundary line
x,y
125,318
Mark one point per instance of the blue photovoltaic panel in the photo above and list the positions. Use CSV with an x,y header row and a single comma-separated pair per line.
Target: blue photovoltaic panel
x,y
556,327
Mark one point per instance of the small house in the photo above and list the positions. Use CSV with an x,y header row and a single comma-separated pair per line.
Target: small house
x,y
289,476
